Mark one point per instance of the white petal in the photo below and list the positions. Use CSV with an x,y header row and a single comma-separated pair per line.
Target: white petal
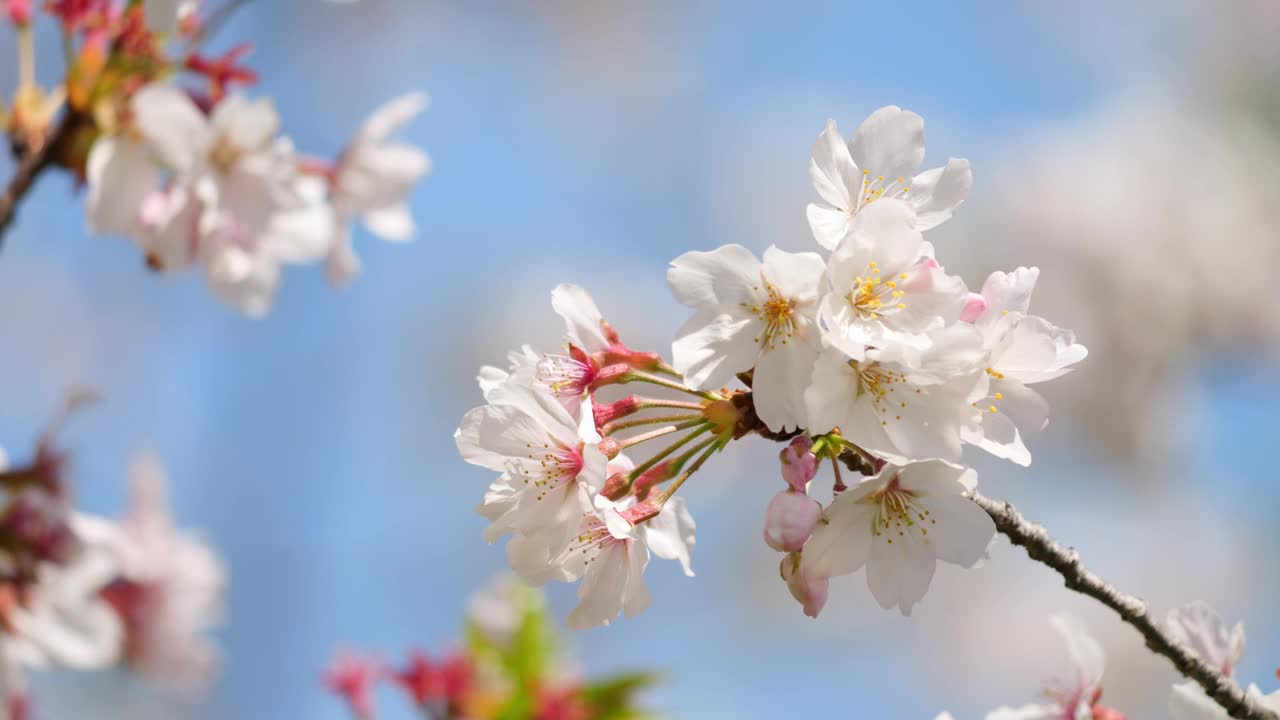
x,y
603,589
887,228
831,400
936,193
890,143
781,377
1000,437
1009,292
899,572
173,125
637,598
726,276
393,223
671,534
963,532
120,177
1038,350
491,435
1024,406
834,174
714,345
796,276
245,281
829,226
583,319
343,264
1085,652
1026,712
1188,701
248,125
841,541
392,116
935,478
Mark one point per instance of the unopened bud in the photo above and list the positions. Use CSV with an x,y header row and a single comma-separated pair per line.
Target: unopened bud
x,y
19,11
799,464
974,306
605,414
641,512
609,375
616,487
790,520
811,592
657,474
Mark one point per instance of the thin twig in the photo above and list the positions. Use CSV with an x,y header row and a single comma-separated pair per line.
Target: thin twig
x,y
1132,610
30,165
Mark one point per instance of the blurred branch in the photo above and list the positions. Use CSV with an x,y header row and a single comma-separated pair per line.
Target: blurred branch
x,y
1132,610
31,162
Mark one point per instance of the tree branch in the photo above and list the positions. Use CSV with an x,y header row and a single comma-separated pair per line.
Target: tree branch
x,y
1132,610
30,165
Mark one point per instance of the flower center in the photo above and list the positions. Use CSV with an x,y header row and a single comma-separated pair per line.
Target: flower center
x,y
565,376
224,154
882,384
898,514
592,539
548,467
873,296
778,315
875,188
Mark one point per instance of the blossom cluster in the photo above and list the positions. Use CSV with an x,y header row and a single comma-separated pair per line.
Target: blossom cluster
x,y
867,354
1078,695
510,667
83,592
197,175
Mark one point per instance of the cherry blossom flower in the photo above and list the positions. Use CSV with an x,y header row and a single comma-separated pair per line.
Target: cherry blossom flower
x,y
60,620
1078,696
1023,349
569,376
750,314
899,410
169,587
372,181
233,201
1199,628
898,524
886,289
610,554
63,622
550,465
876,164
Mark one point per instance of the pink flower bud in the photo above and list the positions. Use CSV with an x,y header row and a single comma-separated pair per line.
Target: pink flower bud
x,y
605,414
789,521
19,11
974,306
798,464
811,592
